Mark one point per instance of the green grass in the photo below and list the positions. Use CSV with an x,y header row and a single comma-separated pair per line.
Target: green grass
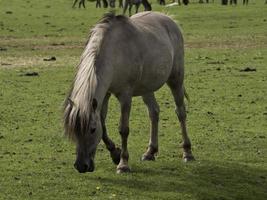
x,y
227,114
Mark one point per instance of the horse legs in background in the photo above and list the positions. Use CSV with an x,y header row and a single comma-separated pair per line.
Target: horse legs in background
x,y
162,2
112,3
177,90
245,2
153,110
125,6
114,152
120,4
125,103
137,7
233,2
105,3
98,4
82,3
74,3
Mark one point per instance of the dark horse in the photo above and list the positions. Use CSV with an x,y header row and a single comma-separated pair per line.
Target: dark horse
x,y
137,3
147,52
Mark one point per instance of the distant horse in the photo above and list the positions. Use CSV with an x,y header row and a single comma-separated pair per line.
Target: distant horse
x,y
105,3
80,3
137,3
126,57
98,3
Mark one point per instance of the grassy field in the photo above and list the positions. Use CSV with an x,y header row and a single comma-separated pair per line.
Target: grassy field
x,y
227,114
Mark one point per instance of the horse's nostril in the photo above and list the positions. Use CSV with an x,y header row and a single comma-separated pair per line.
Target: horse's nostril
x,y
84,166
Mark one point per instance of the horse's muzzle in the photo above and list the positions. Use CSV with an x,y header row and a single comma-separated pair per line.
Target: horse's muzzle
x,y
83,167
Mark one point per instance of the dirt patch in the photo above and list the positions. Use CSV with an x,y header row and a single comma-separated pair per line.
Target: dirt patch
x,y
224,44
37,61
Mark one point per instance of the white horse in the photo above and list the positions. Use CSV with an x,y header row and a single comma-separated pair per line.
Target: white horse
x,y
126,57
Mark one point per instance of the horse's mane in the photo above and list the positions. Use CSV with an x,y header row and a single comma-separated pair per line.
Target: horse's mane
x,y
78,103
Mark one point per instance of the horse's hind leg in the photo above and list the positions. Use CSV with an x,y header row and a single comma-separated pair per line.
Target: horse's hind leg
x,y
153,110
114,152
178,93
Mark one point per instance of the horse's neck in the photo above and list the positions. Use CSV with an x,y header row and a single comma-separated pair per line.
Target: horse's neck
x,y
100,94
104,77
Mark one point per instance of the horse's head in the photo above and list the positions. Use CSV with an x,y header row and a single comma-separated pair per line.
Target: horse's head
x,y
87,135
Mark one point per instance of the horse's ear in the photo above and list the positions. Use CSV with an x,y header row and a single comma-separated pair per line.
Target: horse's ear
x,y
94,104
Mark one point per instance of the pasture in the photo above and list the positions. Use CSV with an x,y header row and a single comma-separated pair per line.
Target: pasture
x,y
226,79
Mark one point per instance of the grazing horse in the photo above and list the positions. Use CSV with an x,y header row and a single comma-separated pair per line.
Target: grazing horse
x,y
137,3
147,52
80,3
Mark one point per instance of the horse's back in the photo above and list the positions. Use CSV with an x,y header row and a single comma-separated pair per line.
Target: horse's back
x,y
164,43
148,43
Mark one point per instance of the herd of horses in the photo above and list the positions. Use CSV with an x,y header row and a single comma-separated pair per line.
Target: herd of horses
x,y
127,4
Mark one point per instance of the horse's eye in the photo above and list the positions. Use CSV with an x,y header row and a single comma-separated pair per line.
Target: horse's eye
x,y
92,130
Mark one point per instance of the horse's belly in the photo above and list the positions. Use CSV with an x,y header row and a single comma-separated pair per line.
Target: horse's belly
x,y
153,77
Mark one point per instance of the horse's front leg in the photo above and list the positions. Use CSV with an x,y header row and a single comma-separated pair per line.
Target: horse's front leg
x,y
114,152
125,103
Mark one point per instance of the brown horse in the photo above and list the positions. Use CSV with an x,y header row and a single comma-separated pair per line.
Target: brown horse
x,y
147,52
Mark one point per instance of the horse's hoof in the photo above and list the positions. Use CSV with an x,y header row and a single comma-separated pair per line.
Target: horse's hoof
x,y
116,156
123,169
148,157
188,158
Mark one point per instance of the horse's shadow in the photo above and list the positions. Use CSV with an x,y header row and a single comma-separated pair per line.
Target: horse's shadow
x,y
205,180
